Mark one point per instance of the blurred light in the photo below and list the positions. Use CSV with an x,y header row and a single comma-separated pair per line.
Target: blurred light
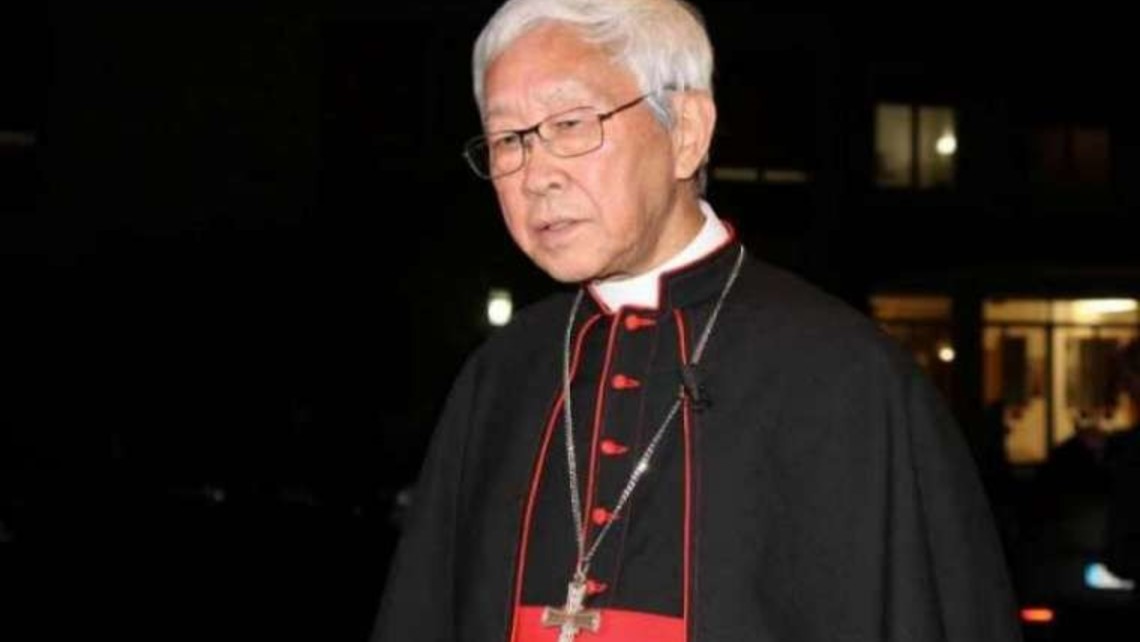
x,y
1097,576
946,354
947,144
1096,307
1037,615
784,176
736,174
499,307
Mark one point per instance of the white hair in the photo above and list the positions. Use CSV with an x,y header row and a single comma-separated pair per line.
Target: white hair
x,y
663,43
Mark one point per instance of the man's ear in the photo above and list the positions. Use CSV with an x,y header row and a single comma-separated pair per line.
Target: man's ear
x,y
694,117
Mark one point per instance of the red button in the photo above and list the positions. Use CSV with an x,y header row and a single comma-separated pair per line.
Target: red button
x,y
634,323
611,447
593,588
600,516
622,382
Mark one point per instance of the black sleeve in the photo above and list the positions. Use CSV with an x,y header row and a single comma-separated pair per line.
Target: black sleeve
x,y
946,576
418,600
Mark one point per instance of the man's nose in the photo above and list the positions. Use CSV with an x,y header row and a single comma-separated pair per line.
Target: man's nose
x,y
542,170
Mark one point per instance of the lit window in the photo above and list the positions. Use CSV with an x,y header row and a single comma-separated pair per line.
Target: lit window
x,y
915,146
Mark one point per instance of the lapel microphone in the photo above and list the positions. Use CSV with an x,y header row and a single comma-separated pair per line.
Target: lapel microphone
x,y
697,395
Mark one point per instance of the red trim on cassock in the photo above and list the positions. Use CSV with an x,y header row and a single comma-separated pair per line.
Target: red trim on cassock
x,y
617,626
686,421
536,476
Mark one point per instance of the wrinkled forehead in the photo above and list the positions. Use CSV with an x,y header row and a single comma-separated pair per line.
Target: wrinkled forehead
x,y
551,68
551,97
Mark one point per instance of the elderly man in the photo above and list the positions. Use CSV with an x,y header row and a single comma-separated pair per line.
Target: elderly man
x,y
693,445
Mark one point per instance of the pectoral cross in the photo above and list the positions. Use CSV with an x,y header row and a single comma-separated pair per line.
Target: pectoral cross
x,y
572,618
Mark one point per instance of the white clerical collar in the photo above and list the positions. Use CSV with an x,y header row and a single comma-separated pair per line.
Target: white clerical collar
x,y
642,290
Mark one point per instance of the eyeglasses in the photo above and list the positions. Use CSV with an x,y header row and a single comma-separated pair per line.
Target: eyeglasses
x,y
566,135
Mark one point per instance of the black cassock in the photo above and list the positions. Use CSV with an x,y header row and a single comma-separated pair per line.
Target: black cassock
x,y
822,493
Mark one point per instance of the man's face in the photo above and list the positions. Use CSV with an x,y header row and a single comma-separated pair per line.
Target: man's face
x,y
611,212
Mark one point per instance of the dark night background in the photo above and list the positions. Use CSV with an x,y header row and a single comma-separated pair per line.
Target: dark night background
x,y
243,259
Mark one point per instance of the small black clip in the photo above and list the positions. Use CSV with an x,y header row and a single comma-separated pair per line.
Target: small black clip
x,y
692,390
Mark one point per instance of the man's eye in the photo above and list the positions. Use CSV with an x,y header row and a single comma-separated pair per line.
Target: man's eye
x,y
567,124
505,143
